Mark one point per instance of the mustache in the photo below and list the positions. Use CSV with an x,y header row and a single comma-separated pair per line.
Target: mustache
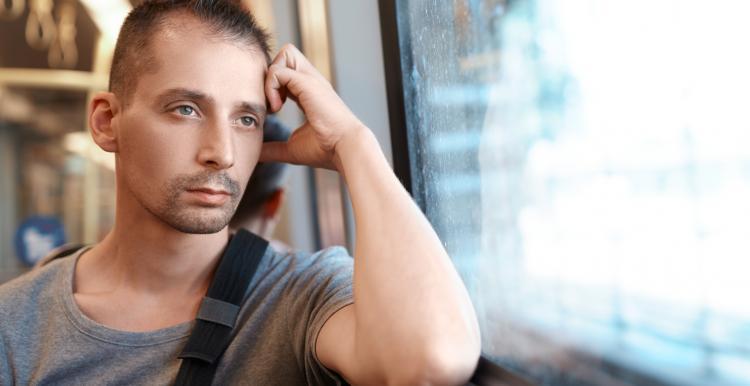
x,y
207,178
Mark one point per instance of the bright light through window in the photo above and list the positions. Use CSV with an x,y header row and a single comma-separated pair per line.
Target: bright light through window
x,y
588,165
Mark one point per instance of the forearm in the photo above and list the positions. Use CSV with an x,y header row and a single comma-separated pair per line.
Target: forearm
x,y
411,315
410,303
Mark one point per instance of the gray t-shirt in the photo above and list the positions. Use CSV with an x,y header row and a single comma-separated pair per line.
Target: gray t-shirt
x,y
45,339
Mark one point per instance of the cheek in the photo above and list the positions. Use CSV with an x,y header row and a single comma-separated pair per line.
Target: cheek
x,y
147,154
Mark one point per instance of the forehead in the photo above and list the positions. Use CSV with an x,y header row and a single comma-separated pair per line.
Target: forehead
x,y
186,53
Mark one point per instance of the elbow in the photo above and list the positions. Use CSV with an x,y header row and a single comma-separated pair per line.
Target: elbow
x,y
452,365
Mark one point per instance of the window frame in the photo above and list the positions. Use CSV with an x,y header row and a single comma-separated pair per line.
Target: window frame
x,y
392,64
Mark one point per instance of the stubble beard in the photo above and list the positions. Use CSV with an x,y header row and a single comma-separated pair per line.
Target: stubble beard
x,y
195,219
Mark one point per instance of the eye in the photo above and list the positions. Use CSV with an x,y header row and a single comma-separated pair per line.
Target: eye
x,y
185,110
248,121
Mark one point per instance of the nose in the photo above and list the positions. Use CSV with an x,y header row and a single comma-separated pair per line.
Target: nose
x,y
217,147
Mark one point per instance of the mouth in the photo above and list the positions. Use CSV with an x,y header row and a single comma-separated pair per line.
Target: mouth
x,y
208,196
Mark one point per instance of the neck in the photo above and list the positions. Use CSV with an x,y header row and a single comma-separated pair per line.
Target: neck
x,y
144,255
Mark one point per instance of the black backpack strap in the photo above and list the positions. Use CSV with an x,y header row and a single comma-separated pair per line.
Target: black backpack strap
x,y
218,311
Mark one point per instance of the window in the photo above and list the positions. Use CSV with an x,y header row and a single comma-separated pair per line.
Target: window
x,y
587,165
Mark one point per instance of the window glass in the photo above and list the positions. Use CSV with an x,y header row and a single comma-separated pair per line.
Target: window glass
x,y
587,165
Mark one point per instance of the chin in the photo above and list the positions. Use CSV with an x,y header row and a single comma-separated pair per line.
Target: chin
x,y
198,229
193,219
197,223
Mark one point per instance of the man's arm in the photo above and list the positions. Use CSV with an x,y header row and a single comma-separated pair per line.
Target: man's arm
x,y
412,321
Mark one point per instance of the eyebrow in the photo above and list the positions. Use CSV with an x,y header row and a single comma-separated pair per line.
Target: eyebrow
x,y
195,95
183,93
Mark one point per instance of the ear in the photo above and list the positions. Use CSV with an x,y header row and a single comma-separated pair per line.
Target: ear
x,y
104,108
273,204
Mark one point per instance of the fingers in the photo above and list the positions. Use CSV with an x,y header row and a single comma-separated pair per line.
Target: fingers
x,y
275,86
291,72
289,56
282,71
275,95
279,80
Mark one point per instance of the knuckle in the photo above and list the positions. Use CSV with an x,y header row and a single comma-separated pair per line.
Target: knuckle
x,y
274,68
291,48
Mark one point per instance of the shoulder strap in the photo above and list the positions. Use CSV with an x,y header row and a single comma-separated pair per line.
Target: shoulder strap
x,y
218,312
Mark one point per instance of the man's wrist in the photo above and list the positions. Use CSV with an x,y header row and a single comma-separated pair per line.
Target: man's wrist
x,y
359,141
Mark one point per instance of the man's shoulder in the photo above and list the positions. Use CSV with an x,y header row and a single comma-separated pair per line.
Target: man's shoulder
x,y
301,262
326,255
30,288
296,270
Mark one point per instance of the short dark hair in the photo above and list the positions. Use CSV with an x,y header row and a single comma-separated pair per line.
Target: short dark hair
x,y
267,178
228,19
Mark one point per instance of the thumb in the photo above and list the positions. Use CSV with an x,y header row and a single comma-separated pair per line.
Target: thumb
x,y
275,152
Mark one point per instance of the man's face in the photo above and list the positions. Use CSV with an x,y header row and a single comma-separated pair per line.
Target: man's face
x,y
192,132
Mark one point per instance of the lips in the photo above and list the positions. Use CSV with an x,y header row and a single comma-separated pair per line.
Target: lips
x,y
208,196
209,191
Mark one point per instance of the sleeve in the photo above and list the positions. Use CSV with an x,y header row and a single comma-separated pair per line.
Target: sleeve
x,y
5,374
322,286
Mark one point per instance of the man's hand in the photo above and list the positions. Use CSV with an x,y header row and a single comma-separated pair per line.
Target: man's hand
x,y
329,123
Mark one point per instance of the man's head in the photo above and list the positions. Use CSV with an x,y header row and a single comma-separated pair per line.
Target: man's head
x,y
185,113
134,54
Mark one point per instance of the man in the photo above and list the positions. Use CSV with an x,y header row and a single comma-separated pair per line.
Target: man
x,y
190,88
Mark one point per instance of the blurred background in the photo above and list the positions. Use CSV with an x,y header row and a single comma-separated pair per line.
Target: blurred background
x,y
586,163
